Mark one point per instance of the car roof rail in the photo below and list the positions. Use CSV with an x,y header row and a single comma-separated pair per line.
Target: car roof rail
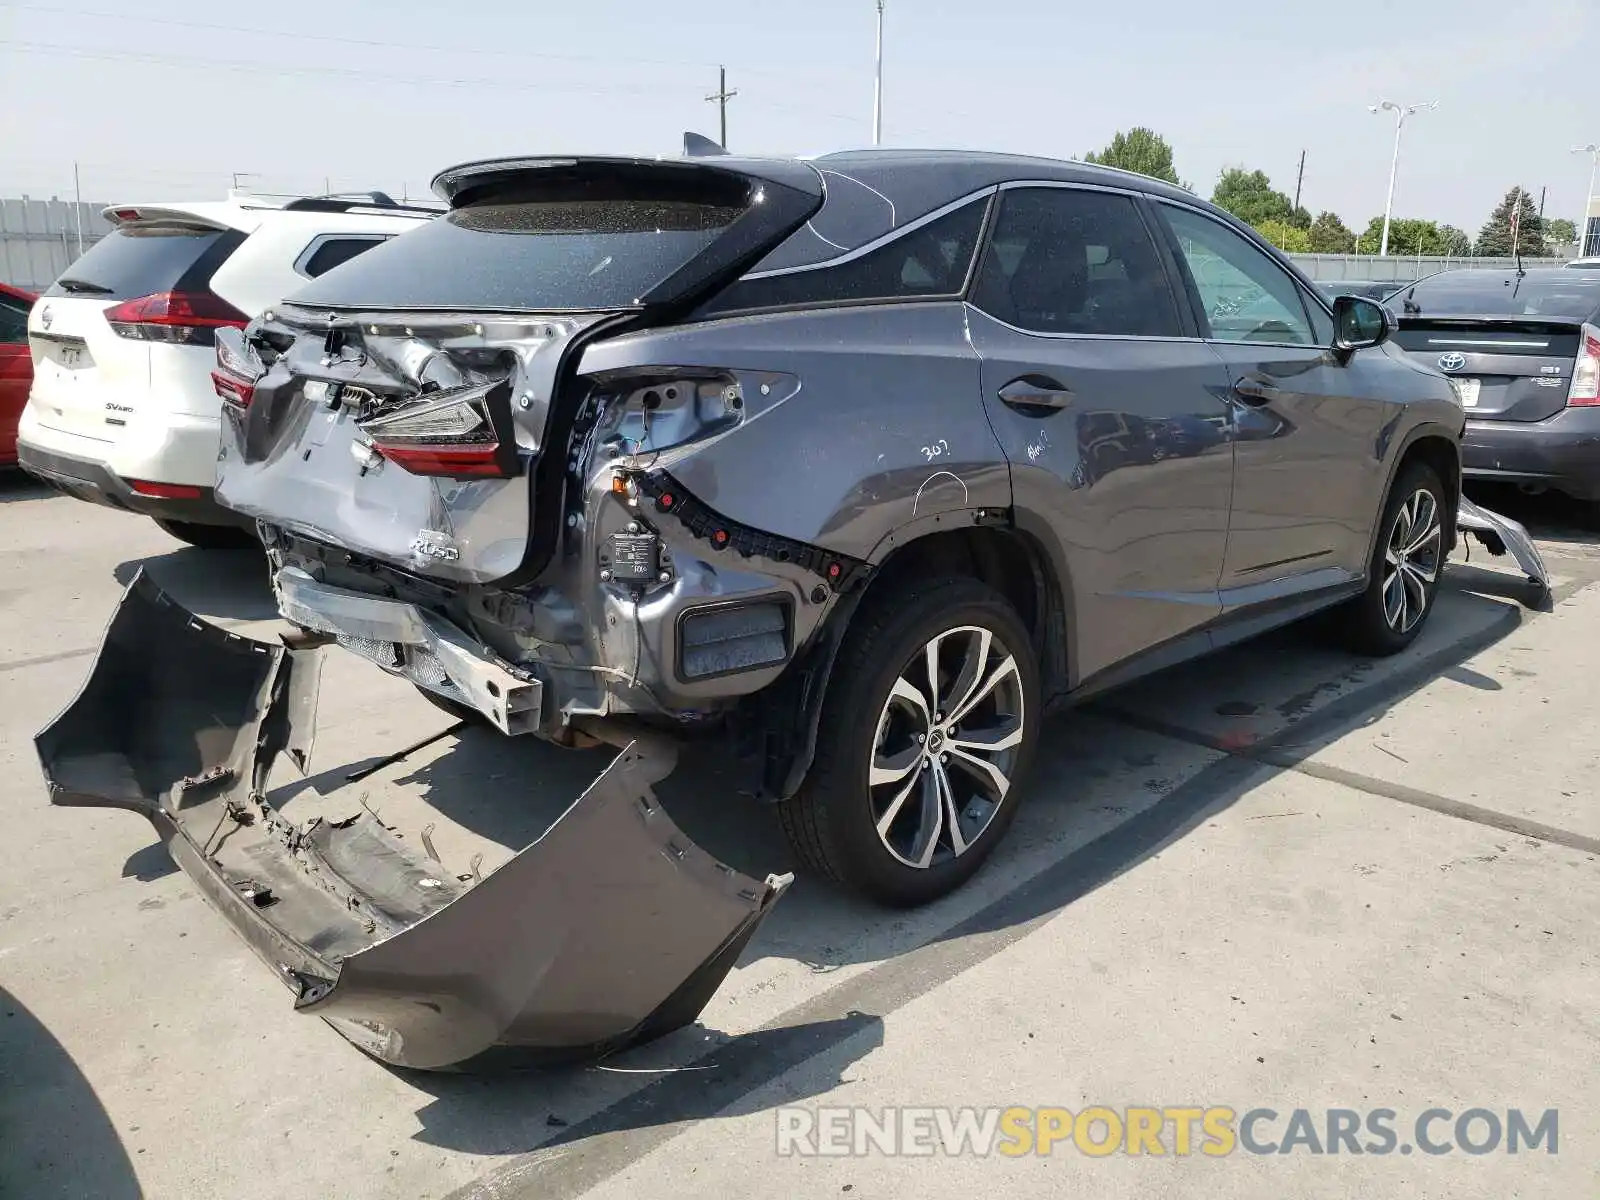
x,y
346,201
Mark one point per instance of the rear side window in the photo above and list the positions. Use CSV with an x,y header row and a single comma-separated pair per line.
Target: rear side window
x,y
329,252
1068,261
135,260
930,262
583,254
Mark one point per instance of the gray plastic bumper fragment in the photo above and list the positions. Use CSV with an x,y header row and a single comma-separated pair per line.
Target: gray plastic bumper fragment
x,y
1501,535
611,929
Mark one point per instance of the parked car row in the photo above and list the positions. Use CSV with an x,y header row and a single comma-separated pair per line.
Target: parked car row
x,y
860,462
123,411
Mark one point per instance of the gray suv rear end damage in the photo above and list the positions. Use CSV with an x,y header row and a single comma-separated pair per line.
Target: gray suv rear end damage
x,y
859,461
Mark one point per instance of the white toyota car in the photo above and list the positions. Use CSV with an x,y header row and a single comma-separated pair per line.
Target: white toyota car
x,y
124,410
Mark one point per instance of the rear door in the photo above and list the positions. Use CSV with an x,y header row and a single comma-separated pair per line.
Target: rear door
x,y
94,381
1114,416
1305,424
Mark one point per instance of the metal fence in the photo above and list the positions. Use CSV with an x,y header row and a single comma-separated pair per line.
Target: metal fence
x,y
1402,268
39,239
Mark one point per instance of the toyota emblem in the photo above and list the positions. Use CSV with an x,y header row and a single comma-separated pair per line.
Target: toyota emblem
x,y
1452,361
46,316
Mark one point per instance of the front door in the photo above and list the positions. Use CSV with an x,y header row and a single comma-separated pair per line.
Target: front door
x,y
1307,423
1114,419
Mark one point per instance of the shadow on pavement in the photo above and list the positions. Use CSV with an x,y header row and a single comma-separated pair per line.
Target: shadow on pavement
x,y
468,1114
511,790
55,1138
17,484
230,584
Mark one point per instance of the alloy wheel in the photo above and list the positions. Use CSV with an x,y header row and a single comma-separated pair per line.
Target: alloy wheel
x,y
947,744
1412,557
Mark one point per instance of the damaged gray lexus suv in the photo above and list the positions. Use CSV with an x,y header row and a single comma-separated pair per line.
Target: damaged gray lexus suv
x,y
858,461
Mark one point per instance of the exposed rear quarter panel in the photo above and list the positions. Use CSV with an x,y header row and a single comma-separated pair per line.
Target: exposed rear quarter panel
x,y
872,427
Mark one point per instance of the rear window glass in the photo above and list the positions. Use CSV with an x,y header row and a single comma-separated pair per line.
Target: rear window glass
x,y
530,255
1564,296
136,261
929,262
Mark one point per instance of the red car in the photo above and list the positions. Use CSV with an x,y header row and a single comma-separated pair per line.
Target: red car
x,y
16,367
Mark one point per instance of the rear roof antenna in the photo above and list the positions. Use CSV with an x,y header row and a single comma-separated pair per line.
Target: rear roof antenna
x,y
697,145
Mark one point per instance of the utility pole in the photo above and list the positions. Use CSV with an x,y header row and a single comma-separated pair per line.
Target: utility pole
x,y
722,95
1401,112
877,86
1299,179
77,208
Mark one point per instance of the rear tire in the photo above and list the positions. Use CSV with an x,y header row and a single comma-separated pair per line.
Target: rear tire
x,y
1404,573
210,537
946,798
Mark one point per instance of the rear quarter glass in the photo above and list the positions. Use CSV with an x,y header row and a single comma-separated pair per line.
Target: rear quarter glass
x,y
132,261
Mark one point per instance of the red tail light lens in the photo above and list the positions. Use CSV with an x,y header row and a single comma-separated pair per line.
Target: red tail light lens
x,y
182,318
1585,390
238,368
454,434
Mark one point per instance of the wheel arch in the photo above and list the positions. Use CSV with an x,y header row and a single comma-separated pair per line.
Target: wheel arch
x,y
1005,555
1440,449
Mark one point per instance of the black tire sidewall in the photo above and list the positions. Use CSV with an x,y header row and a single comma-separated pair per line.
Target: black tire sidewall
x,y
856,697
1372,630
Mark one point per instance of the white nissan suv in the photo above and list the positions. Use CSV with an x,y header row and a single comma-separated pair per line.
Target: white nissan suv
x,y
123,410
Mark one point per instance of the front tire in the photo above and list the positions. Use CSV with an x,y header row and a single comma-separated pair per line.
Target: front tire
x,y
927,732
1405,569
209,537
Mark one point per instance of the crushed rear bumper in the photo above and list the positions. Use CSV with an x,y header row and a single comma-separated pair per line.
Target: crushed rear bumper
x,y
1501,535
611,929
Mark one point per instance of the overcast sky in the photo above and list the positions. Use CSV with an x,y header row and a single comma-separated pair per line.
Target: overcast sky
x,y
169,97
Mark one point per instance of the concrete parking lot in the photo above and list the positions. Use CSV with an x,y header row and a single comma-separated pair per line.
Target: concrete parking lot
x,y
1281,879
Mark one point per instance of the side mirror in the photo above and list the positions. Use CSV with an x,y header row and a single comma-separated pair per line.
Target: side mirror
x,y
1359,323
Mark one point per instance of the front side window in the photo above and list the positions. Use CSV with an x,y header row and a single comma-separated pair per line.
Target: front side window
x,y
1244,294
1068,261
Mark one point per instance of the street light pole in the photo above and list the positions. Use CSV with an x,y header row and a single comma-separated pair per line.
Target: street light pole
x,y
1401,112
1593,151
877,86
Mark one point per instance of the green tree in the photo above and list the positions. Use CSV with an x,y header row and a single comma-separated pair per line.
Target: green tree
x,y
1558,233
1249,195
1329,235
1285,236
1457,242
1407,236
1494,240
1141,150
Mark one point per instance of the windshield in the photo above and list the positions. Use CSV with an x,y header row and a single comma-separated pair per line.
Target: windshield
x,y
1564,296
536,255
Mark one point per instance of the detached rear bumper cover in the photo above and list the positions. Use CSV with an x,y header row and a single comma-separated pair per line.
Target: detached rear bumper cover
x,y
1500,535
611,929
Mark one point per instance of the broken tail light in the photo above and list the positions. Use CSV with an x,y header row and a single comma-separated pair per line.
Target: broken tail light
x,y
463,433
238,368
179,318
1585,390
